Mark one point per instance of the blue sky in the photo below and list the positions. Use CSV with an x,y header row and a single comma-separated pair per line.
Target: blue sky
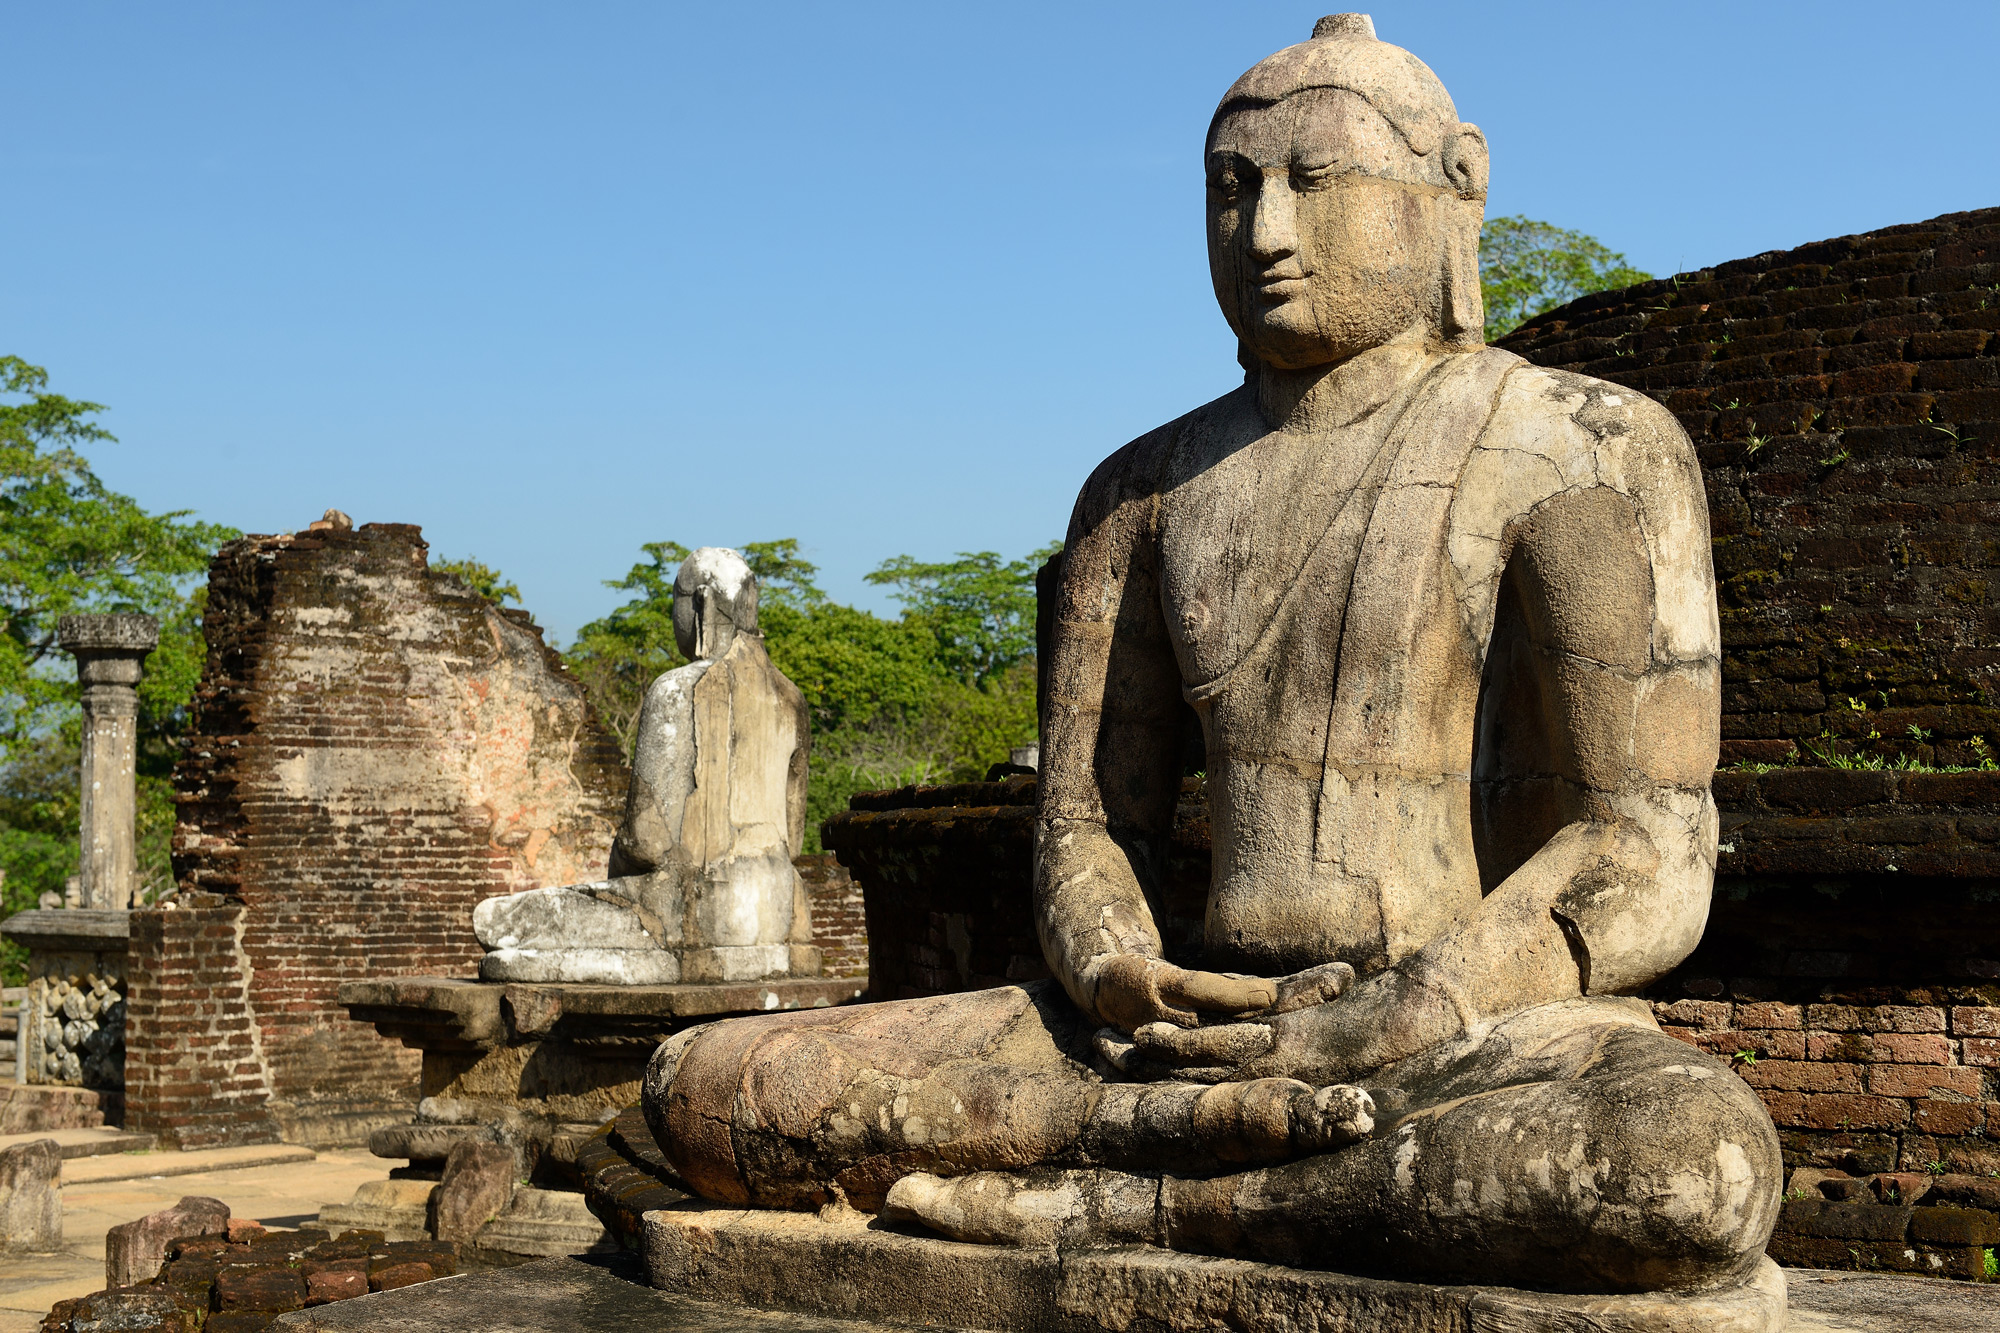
x,y
556,280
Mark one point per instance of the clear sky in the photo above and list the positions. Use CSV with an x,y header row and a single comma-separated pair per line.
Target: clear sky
x,y
555,280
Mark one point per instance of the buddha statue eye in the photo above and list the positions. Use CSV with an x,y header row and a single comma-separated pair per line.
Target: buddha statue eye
x,y
1225,184
1306,178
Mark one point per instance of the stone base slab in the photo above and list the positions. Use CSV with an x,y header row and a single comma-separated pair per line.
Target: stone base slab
x,y
849,1266
602,1295
439,1013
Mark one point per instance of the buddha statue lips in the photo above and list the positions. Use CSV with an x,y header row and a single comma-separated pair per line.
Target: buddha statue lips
x,y
1447,622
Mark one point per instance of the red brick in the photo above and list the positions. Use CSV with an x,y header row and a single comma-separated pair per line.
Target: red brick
x,y
1975,1021
1890,1047
1981,1051
1947,1119
1770,1015
1875,1018
1923,1080
1802,1076
1695,1013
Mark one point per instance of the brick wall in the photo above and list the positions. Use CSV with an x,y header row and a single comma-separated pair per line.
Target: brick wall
x,y
1844,398
194,1073
375,750
840,926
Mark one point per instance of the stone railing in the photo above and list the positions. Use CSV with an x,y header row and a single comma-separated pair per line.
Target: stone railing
x,y
72,1026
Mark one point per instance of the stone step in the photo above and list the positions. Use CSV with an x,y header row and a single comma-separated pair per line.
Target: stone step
x,y
542,1224
153,1165
400,1209
76,1143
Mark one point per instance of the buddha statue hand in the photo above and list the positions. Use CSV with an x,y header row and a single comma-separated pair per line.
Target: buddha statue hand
x,y
1219,1043
1132,990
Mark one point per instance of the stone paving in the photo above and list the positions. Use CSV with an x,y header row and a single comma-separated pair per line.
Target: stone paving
x,y
283,1193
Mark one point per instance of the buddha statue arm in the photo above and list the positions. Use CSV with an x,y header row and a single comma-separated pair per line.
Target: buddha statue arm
x,y
1110,772
797,771
662,766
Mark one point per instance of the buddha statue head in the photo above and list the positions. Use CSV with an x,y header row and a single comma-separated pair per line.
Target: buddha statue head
x,y
715,599
1345,199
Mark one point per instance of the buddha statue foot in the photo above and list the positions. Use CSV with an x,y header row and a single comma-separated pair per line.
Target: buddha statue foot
x,y
1262,1121
1064,1208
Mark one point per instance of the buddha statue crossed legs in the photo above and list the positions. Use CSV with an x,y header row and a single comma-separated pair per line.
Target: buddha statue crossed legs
x,y
1448,623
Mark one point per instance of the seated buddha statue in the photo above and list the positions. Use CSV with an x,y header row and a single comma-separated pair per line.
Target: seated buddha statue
x,y
701,885
1448,623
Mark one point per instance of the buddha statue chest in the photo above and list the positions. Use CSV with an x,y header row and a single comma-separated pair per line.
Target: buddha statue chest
x,y
1258,538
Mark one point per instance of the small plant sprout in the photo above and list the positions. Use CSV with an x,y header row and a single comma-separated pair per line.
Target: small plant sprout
x,y
1919,733
1754,443
1951,433
1984,753
1989,1263
1934,1168
1746,1058
1837,457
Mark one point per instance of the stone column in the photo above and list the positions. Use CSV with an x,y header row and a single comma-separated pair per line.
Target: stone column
x,y
108,651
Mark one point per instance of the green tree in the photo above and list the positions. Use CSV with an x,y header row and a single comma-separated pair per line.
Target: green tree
x,y
890,703
68,545
482,578
1527,267
981,609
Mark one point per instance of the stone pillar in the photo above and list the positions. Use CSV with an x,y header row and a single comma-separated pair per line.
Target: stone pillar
x,y
109,650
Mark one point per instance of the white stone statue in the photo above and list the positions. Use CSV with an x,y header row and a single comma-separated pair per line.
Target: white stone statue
x,y
701,883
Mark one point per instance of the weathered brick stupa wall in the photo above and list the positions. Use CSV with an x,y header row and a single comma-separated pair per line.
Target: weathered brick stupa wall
x,y
1844,398
375,749
1845,401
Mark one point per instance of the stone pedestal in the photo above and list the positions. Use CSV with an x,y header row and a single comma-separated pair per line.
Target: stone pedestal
x,y
72,1030
110,651
536,1068
555,1052
851,1266
845,1264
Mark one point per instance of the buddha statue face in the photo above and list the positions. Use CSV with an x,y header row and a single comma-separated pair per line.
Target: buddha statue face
x,y
715,598
1344,201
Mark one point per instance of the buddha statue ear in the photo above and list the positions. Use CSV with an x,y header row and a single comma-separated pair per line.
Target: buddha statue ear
x,y
1465,165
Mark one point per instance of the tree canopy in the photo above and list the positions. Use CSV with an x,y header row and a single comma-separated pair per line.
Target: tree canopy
x,y
482,578
70,545
1527,267
942,692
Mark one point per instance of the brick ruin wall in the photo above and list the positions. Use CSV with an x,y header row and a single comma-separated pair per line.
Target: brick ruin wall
x,y
1844,399
375,749
840,926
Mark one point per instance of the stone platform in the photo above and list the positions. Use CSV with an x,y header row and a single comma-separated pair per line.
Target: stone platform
x,y
563,1052
845,1264
852,1266
609,1296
